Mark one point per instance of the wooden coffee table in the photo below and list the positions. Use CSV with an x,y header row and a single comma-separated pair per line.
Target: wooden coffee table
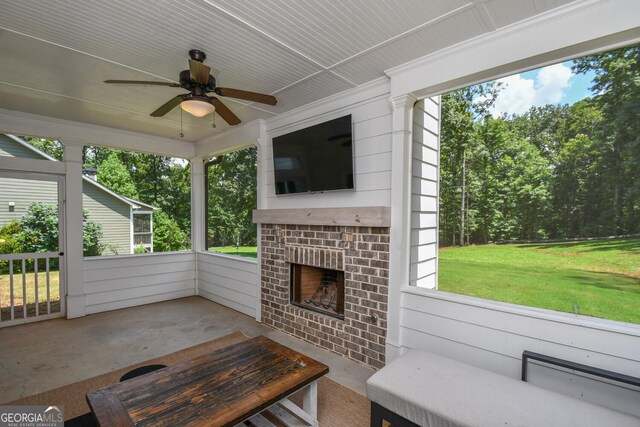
x,y
222,388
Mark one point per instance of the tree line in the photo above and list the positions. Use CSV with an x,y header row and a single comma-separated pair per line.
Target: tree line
x,y
556,171
231,198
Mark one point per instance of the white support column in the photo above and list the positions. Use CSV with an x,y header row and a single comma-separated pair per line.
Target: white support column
x,y
400,216
197,210
261,144
74,258
197,204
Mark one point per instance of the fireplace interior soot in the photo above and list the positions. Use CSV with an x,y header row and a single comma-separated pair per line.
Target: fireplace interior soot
x,y
318,289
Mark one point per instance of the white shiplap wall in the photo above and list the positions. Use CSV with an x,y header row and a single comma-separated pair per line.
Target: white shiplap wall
x,y
370,110
125,281
230,281
424,193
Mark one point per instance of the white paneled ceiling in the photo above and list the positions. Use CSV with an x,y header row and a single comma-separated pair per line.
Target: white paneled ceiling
x,y
55,54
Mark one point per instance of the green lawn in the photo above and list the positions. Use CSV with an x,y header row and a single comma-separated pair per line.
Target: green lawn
x,y
244,251
595,278
5,294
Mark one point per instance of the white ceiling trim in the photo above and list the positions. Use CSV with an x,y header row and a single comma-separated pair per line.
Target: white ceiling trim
x,y
76,133
560,34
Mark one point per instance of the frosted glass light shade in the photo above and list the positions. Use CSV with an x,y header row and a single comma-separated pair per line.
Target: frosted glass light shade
x,y
197,107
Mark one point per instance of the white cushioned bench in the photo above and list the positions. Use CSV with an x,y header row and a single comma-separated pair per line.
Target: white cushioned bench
x,y
433,391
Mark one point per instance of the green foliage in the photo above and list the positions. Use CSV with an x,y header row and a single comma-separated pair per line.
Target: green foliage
x,y
9,243
555,171
38,231
52,148
113,174
617,85
39,228
599,277
91,235
167,235
231,199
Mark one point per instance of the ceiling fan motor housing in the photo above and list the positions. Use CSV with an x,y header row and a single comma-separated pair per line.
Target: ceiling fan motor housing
x,y
187,83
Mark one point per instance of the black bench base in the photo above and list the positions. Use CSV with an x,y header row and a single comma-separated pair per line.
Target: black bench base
x,y
380,413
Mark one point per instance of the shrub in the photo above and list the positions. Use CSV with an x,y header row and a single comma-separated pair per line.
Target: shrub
x,y
167,235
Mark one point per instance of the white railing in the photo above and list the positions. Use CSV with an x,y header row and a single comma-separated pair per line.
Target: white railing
x,y
19,275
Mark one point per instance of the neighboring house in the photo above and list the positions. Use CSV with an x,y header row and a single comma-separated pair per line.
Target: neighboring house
x,y
126,223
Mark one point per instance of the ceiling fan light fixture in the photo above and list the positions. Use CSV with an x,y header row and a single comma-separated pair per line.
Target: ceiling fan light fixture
x,y
197,106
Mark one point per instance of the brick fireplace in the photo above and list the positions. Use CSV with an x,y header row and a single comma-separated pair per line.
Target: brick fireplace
x,y
357,256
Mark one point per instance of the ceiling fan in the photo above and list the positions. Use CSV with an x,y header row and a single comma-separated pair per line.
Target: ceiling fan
x,y
199,82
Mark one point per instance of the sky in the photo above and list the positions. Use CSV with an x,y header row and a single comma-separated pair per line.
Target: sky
x,y
548,85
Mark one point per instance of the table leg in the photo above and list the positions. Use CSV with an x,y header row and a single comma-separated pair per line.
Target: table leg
x,y
309,411
310,400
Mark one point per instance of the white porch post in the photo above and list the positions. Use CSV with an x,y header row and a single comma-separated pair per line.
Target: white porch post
x,y
400,217
74,258
261,143
197,210
197,204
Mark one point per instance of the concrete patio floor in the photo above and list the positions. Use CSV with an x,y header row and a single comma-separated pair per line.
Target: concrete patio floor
x,y
40,356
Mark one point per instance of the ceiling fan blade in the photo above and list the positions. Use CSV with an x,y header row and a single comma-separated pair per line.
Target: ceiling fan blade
x,y
168,106
249,96
225,112
141,82
199,71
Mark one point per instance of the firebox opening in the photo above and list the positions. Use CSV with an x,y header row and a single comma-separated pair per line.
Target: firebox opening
x,y
318,289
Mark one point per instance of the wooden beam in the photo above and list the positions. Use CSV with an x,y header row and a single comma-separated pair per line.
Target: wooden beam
x,y
367,216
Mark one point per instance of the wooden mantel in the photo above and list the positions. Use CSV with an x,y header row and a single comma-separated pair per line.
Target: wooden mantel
x,y
367,216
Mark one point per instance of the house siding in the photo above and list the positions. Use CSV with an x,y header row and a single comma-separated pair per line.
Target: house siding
x,y
24,192
112,214
10,148
424,193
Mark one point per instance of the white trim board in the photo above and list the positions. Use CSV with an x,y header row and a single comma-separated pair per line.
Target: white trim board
x,y
76,133
575,29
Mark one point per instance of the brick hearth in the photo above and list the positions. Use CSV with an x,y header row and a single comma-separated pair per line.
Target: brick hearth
x,y
362,253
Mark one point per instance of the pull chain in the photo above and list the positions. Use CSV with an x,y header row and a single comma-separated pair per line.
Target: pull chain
x,y
181,134
213,120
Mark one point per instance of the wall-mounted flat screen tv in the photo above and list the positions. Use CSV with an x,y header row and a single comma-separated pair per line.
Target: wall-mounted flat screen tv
x,y
318,158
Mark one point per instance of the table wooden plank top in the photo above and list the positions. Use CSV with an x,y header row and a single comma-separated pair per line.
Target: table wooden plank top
x,y
217,389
